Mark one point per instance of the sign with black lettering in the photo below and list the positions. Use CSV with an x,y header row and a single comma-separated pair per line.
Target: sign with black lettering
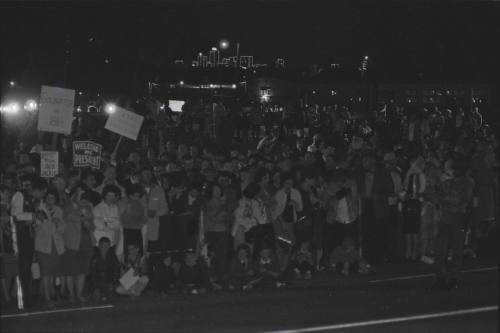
x,y
56,110
87,154
49,164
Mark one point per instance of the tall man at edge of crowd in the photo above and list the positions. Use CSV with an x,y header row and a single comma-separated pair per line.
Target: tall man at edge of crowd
x,y
23,209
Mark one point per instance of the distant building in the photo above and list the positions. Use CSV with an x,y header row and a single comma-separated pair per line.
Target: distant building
x,y
427,95
204,61
195,63
233,61
280,63
179,62
213,57
246,61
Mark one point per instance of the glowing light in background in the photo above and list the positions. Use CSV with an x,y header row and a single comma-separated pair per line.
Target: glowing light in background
x,y
30,105
110,108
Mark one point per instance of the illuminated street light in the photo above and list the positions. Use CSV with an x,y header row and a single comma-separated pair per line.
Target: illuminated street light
x,y
214,49
224,44
10,108
110,108
30,105
181,83
233,86
12,83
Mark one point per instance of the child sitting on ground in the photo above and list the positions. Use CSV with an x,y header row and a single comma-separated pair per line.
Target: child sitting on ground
x,y
166,275
193,275
104,271
137,266
241,270
302,261
267,270
346,256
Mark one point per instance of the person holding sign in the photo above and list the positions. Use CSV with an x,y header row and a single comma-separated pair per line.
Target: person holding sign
x,y
107,219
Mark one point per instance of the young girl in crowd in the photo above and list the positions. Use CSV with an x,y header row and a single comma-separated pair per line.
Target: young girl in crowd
x,y
302,261
242,268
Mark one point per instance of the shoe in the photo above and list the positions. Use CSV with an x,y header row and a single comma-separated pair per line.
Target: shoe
x,y
280,284
298,276
308,275
452,284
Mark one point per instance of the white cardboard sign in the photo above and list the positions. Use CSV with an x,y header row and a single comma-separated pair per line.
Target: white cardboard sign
x,y
125,123
56,110
49,164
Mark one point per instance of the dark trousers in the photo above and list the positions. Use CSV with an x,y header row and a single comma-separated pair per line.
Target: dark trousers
x,y
394,235
343,231
450,235
26,251
132,236
218,243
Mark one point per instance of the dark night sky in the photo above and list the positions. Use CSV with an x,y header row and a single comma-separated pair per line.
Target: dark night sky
x,y
453,38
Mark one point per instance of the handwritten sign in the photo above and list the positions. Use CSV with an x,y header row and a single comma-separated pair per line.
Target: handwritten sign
x,y
49,164
87,154
56,110
125,123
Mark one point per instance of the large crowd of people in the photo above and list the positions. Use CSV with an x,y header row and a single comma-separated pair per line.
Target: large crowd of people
x,y
189,214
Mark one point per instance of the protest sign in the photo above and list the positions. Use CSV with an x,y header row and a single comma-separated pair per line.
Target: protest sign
x,y
125,123
49,164
87,154
56,110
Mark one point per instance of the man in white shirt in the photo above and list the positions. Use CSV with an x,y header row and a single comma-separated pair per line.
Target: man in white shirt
x,y
23,210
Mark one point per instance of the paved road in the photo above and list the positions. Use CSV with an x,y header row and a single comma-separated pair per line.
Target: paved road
x,y
328,299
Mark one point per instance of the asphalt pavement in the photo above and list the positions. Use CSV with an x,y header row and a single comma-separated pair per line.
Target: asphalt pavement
x,y
396,298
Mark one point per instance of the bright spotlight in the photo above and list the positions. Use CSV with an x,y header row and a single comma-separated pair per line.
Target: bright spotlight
x,y
12,83
366,57
181,83
214,49
110,108
224,44
233,86
11,108
30,105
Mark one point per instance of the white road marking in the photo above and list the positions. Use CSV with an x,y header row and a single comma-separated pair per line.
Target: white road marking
x,y
389,320
432,274
26,314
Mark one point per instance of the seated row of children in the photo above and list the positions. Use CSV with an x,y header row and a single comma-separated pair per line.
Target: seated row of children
x,y
193,273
